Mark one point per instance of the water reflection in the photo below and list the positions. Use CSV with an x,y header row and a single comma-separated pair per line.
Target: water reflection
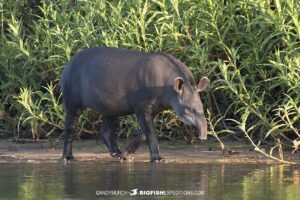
x,y
129,176
82,180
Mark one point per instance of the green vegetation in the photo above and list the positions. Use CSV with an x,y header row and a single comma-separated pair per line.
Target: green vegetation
x,y
249,49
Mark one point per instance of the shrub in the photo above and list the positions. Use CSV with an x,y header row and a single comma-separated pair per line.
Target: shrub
x,y
249,49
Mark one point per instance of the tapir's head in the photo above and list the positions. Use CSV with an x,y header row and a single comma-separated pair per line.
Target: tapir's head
x,y
187,104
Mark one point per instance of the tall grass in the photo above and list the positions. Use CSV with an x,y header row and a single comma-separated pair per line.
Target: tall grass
x,y
249,49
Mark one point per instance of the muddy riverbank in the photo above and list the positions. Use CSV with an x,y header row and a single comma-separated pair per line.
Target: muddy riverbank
x,y
173,152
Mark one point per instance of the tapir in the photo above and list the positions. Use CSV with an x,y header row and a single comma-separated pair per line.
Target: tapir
x,y
116,82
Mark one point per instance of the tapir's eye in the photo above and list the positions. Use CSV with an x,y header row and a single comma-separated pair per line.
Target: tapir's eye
x,y
188,111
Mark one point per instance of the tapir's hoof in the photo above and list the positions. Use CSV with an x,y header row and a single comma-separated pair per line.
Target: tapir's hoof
x,y
70,158
161,161
127,158
156,159
117,154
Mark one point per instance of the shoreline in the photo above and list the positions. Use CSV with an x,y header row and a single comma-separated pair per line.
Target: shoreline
x,y
172,152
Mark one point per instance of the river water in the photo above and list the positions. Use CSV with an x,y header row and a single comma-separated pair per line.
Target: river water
x,y
114,180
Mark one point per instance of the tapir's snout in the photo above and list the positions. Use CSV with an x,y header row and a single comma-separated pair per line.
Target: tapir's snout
x,y
201,126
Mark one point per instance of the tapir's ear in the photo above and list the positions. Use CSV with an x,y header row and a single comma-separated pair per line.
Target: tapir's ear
x,y
202,84
178,84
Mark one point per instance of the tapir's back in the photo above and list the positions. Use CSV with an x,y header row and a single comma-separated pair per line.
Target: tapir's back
x,y
103,78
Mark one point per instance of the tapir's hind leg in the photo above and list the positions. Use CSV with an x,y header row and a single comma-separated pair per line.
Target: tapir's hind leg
x,y
135,144
68,137
107,131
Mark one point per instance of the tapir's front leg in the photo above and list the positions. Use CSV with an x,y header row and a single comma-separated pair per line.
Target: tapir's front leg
x,y
147,126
